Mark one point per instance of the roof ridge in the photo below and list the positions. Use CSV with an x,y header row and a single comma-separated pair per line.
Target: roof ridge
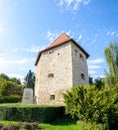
x,y
59,37
60,40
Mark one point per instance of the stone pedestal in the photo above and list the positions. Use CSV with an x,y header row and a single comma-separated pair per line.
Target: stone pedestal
x,y
27,96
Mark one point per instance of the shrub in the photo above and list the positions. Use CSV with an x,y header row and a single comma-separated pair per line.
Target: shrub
x,y
11,88
12,127
28,126
10,99
30,113
31,126
91,126
4,128
93,105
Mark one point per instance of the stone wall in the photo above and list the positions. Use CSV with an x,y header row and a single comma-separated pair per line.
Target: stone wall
x,y
53,75
59,69
79,66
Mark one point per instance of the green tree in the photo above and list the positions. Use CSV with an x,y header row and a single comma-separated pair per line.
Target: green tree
x,y
15,80
99,83
111,55
10,86
90,104
90,80
4,77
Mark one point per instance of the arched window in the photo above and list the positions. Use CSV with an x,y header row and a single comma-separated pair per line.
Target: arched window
x,y
81,57
82,76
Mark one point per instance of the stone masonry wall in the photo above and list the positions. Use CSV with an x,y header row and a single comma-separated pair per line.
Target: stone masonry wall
x,y
54,75
79,66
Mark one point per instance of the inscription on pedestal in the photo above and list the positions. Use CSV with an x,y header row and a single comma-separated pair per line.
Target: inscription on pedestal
x,y
27,96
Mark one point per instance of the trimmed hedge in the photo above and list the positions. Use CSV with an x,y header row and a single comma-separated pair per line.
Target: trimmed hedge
x,y
30,113
10,99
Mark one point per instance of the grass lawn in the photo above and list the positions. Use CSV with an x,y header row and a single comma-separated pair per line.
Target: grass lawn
x,y
64,123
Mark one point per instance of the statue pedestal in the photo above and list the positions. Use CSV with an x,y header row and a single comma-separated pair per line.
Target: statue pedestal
x,y
27,96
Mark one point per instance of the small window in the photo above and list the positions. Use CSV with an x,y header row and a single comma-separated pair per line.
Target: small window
x,y
82,76
76,52
52,97
50,75
81,57
51,51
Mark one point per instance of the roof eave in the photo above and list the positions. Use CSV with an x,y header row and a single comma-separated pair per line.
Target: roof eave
x,y
87,55
47,49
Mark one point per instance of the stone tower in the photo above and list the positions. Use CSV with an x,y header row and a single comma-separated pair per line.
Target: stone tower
x,y
59,67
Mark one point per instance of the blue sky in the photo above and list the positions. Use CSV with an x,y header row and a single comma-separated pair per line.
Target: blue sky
x,y
28,26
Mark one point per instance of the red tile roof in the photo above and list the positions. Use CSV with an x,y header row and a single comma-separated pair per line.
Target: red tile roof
x,y
63,38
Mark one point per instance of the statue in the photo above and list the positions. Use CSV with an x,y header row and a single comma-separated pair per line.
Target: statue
x,y
29,79
28,90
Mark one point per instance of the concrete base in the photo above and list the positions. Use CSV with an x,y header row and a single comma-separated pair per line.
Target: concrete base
x,y
27,96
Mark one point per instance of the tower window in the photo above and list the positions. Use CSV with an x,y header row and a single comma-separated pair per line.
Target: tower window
x,y
82,76
50,75
51,51
81,57
75,52
52,97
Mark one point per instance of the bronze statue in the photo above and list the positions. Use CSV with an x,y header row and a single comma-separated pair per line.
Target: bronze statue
x,y
29,79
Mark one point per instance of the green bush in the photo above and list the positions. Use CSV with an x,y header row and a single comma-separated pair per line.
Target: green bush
x,y
91,126
8,88
30,113
93,105
10,99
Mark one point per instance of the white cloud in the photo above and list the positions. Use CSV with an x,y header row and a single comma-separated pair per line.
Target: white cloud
x,y
110,33
1,54
15,75
23,68
96,61
33,49
4,30
23,61
98,76
80,37
69,32
4,62
94,67
50,36
72,4
91,72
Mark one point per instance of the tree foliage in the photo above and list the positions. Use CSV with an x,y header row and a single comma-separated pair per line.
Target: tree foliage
x,y
111,55
93,105
10,86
